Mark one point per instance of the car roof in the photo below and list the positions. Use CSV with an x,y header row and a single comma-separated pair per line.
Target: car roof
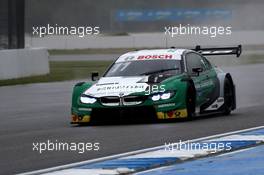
x,y
161,54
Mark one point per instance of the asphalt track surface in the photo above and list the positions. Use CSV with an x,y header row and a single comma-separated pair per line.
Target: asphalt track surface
x,y
41,112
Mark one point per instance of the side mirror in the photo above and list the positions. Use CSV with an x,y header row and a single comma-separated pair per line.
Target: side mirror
x,y
197,70
95,76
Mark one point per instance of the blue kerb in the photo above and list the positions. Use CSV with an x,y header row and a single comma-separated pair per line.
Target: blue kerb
x,y
146,163
248,162
216,144
254,132
133,163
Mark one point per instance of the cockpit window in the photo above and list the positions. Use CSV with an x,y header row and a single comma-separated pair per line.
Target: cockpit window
x,y
146,67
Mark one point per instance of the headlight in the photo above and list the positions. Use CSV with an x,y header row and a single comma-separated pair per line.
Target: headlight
x,y
165,96
162,96
155,97
87,99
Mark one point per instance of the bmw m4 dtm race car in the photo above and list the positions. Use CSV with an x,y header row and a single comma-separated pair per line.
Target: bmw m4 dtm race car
x,y
157,84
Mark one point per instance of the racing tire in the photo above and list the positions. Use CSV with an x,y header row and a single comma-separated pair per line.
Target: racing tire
x,y
190,101
228,97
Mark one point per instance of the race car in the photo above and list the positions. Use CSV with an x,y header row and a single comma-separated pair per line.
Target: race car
x,y
159,84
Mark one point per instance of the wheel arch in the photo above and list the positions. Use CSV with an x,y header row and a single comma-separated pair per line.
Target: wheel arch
x,y
222,77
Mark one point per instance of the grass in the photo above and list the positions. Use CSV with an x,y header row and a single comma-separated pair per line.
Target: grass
x,y
63,70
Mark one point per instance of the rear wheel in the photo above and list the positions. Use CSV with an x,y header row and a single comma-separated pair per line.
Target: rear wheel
x,y
228,97
190,101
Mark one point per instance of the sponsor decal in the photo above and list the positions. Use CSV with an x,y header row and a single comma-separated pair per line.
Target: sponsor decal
x,y
133,88
217,104
84,109
115,90
113,86
160,115
166,105
181,113
146,57
165,54
85,118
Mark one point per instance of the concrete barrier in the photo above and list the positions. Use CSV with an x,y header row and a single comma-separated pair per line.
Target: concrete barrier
x,y
18,63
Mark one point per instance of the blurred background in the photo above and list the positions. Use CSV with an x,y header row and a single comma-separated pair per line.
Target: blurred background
x,y
124,25
144,16
121,17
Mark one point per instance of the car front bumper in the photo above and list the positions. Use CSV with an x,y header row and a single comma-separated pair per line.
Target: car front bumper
x,y
146,113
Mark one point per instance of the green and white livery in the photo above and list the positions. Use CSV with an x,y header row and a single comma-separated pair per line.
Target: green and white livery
x,y
157,85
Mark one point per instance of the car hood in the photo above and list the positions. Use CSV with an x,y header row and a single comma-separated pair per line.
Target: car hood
x,y
118,86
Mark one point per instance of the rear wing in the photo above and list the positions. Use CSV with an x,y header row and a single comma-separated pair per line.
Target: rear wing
x,y
219,50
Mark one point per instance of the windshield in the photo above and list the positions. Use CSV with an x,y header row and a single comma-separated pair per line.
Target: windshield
x,y
146,67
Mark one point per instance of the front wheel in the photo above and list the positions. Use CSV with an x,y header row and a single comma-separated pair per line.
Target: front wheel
x,y
190,101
